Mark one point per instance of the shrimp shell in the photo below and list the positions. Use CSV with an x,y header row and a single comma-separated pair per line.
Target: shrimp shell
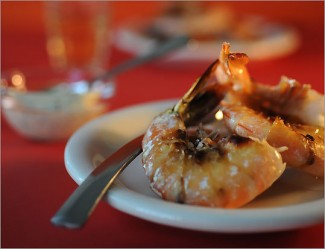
x,y
289,115
228,172
304,143
293,100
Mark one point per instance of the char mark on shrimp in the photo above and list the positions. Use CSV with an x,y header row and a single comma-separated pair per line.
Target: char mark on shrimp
x,y
180,134
238,140
310,137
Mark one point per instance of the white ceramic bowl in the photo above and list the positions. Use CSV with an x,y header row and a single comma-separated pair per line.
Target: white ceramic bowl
x,y
42,123
48,114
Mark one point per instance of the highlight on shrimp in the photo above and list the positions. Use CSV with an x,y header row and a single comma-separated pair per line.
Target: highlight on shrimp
x,y
229,138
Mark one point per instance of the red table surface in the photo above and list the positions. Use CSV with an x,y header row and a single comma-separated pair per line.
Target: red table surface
x,y
34,182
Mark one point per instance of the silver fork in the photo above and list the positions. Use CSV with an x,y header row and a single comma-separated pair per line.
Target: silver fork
x,y
79,206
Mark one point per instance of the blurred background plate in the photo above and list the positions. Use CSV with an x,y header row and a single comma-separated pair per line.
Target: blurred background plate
x,y
208,28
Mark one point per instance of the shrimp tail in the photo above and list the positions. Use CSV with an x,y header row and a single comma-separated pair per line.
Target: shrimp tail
x,y
202,97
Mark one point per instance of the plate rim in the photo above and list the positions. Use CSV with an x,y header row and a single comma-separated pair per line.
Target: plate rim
x,y
228,224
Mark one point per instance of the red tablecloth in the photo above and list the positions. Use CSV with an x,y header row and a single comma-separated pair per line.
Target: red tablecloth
x,y
34,182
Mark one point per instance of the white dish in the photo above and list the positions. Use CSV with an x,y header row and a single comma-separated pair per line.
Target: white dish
x,y
280,42
294,201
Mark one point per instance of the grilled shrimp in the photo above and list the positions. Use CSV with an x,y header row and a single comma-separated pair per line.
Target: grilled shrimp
x,y
297,102
206,170
302,145
190,157
290,99
289,115
202,168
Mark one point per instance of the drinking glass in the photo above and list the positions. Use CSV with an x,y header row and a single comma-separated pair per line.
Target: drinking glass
x,y
78,36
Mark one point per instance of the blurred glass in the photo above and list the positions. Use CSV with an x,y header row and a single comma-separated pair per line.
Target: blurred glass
x,y
78,36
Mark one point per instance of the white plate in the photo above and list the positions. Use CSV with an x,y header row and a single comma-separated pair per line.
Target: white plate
x,y
294,201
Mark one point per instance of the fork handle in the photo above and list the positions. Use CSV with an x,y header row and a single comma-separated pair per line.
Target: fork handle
x,y
78,207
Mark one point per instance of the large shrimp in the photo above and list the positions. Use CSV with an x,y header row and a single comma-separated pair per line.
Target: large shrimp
x,y
289,115
290,99
298,103
246,150
219,170
225,172
303,145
